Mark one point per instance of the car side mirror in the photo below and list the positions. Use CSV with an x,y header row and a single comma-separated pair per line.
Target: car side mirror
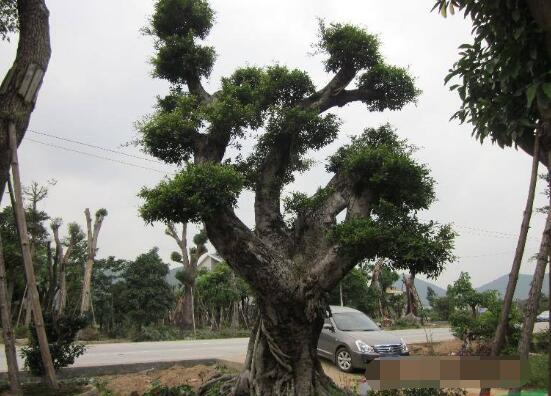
x,y
328,326
379,324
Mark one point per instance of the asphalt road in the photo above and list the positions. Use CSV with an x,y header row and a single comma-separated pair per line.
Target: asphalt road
x,y
231,349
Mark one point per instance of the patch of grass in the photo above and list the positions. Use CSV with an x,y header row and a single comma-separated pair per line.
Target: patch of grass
x,y
401,324
539,372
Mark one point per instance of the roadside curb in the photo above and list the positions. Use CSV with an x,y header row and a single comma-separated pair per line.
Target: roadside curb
x,y
115,369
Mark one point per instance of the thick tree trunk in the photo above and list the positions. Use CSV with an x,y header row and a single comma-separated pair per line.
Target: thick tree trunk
x,y
411,296
20,87
87,286
183,314
7,331
29,269
92,234
282,355
501,329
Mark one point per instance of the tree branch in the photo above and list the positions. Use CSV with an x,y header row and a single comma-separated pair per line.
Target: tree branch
x,y
250,256
322,98
196,88
348,96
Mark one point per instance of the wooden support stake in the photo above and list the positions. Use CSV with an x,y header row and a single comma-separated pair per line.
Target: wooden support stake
x,y
7,330
50,375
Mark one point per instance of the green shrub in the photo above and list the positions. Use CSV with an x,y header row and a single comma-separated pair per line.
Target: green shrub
x,y
61,336
21,331
540,342
157,333
404,324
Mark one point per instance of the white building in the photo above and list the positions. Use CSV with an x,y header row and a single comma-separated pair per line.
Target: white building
x,y
208,261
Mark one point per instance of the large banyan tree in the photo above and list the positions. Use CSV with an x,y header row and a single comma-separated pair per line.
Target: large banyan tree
x,y
289,262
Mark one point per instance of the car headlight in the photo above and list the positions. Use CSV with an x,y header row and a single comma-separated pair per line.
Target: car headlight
x,y
363,347
404,345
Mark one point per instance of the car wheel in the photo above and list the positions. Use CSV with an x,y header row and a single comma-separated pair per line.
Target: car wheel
x,y
343,359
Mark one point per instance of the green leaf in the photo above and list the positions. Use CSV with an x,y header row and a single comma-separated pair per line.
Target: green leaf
x,y
547,89
531,94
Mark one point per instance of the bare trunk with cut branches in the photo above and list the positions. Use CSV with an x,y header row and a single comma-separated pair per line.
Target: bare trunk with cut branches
x,y
376,286
184,314
92,235
412,308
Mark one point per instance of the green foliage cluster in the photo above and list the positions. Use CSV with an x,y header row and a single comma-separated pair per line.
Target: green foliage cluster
x,y
168,134
298,202
196,193
220,287
61,335
408,243
8,18
393,84
474,316
359,295
440,306
266,102
144,295
348,47
505,77
176,25
380,162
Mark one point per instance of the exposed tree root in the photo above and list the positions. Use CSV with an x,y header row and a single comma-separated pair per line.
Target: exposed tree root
x,y
223,383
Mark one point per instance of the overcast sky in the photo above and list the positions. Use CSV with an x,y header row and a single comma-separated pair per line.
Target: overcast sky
x,y
99,83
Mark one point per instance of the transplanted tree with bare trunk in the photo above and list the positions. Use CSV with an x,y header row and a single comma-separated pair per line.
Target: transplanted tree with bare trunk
x,y
92,248
184,313
289,265
58,288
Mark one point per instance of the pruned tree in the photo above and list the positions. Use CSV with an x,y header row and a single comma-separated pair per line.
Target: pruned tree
x,y
376,286
412,307
184,313
58,291
92,248
290,266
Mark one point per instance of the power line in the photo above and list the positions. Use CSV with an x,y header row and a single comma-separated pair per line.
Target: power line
x,y
485,255
95,146
93,155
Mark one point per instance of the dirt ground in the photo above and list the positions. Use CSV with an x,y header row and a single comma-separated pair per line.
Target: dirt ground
x,y
138,383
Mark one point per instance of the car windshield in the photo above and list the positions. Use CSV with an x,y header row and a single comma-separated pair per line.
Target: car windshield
x,y
354,321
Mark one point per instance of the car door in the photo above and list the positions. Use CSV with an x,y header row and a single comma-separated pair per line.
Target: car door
x,y
326,341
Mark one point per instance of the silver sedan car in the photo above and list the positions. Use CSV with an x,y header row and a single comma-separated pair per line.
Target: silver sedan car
x,y
351,340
